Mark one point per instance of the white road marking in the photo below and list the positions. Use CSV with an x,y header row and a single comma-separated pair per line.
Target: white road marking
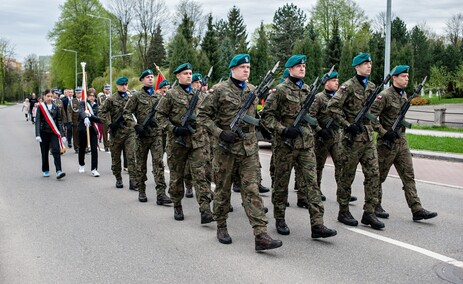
x,y
426,252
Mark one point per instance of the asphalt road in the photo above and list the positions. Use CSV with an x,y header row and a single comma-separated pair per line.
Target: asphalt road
x,y
83,230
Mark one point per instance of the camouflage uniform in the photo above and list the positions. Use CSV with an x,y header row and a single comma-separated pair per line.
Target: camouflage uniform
x,y
387,107
123,139
101,99
280,110
140,105
60,105
216,114
332,145
343,107
73,115
194,155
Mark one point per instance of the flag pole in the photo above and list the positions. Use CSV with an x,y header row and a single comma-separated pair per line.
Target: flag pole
x,y
85,95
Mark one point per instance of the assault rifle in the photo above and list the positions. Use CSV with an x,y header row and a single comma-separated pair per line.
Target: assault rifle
x,y
329,125
400,120
235,125
117,123
149,121
190,116
302,115
363,113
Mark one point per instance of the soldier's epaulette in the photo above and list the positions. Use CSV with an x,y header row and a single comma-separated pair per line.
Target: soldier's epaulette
x,y
379,97
273,90
211,90
343,87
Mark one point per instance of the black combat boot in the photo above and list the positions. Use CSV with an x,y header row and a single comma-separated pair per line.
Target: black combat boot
x,y
236,187
222,235
133,185
163,199
189,192
265,242
380,212
119,183
323,196
142,196
302,203
370,219
178,213
423,214
353,198
321,231
206,216
265,209
347,218
282,228
230,209
263,189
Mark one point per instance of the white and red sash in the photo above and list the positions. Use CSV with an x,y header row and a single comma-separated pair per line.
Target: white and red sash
x,y
52,124
90,109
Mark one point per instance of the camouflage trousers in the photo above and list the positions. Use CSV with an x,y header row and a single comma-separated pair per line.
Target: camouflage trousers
x,y
300,190
303,161
128,143
180,157
188,177
224,164
401,158
145,145
322,149
363,152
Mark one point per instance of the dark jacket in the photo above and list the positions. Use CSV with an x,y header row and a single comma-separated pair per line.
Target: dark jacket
x,y
41,124
83,115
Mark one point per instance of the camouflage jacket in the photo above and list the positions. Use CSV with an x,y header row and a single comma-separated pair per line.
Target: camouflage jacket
x,y
73,111
220,107
171,110
347,102
387,107
281,109
319,110
110,110
140,105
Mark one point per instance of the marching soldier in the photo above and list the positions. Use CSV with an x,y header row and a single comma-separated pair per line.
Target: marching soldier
x,y
57,101
184,147
73,114
122,135
163,87
101,98
280,110
327,139
343,107
143,105
216,114
387,107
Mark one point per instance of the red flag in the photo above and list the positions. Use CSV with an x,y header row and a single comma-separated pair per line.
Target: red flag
x,y
159,80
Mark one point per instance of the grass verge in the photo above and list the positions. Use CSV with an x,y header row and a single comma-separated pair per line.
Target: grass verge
x,y
438,101
437,128
437,144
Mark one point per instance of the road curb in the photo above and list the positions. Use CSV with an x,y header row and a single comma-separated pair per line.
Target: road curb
x,y
438,156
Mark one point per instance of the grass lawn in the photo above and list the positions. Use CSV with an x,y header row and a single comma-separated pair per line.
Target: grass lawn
x,y
437,144
437,101
437,128
8,104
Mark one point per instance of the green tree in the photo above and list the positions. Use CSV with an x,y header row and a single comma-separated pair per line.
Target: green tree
x,y
287,29
334,47
345,68
421,53
310,46
209,47
236,31
181,52
399,31
260,56
157,51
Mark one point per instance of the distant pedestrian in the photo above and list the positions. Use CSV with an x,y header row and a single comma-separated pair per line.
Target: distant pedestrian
x,y
32,101
26,108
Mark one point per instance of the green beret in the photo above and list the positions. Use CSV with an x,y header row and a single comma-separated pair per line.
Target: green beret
x,y
399,69
295,60
196,77
122,81
146,73
239,59
359,59
184,66
333,75
164,83
285,73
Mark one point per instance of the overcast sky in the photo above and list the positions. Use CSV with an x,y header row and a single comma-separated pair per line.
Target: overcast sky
x,y
26,23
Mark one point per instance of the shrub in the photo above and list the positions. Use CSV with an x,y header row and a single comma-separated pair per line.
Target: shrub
x,y
418,101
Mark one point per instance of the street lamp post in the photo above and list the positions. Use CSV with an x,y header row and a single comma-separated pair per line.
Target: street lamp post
x,y
110,53
75,53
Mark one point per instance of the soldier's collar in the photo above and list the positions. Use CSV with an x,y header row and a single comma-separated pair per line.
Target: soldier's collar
x,y
330,93
149,90
298,82
239,84
398,90
187,88
123,94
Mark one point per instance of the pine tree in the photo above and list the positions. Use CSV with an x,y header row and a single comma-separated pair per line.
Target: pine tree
x,y
182,49
260,57
311,47
157,52
333,50
236,31
345,69
210,47
226,54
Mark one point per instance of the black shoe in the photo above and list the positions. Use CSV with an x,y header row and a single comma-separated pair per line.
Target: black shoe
x,y
370,219
265,209
380,212
321,231
353,198
189,192
423,214
230,209
163,199
206,216
263,189
347,219
142,197
178,213
302,203
287,204
236,187
69,146
323,197
223,236
76,150
106,149
119,183
265,242
282,228
133,185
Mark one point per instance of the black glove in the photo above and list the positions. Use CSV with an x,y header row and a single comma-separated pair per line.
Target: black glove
x,y
112,127
325,134
390,135
291,132
181,131
228,136
353,129
265,133
140,130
